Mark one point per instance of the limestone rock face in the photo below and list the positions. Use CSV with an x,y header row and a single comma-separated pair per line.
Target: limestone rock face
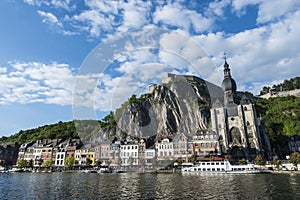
x,y
181,105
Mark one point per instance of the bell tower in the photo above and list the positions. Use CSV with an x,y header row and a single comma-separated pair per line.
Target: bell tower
x,y
228,87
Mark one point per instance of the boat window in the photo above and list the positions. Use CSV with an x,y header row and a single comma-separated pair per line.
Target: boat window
x,y
204,169
217,163
208,163
212,163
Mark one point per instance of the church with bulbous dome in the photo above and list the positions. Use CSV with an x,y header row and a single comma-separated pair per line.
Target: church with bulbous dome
x,y
241,133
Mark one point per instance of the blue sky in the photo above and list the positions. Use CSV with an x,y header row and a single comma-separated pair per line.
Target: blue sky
x,y
66,59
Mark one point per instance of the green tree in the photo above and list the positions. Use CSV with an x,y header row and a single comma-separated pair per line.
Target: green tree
x,y
192,158
88,162
61,130
119,162
49,163
22,163
70,161
295,158
242,161
132,99
227,157
259,160
179,161
281,116
109,120
40,162
265,90
277,162
130,161
30,164
98,163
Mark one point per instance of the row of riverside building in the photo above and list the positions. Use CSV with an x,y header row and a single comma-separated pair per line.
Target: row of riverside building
x,y
121,153
117,153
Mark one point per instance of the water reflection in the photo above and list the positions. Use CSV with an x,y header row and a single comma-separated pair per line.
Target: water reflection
x,y
148,186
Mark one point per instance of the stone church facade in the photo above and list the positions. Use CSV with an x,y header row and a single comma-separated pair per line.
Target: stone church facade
x,y
240,131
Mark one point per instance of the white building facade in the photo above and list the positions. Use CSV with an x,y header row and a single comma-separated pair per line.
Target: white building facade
x,y
129,154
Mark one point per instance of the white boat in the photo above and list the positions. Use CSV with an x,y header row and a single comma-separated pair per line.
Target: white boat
x,y
220,167
16,170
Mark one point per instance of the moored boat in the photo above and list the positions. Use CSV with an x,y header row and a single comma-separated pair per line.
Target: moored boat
x,y
220,167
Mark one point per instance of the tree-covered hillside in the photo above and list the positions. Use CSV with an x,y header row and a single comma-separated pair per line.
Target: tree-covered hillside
x,y
287,85
282,118
63,130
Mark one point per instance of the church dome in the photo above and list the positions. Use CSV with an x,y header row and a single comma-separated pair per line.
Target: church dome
x,y
229,84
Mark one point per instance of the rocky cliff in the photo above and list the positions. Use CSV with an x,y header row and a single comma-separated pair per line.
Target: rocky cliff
x,y
179,104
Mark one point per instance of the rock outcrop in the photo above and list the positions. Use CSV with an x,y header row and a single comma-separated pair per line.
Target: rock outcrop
x,y
179,104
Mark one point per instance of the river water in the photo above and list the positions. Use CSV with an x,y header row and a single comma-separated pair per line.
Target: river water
x,y
148,186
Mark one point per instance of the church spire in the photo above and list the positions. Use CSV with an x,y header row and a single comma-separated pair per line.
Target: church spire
x,y
226,67
226,70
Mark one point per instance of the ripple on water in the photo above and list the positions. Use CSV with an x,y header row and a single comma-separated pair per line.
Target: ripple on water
x,y
147,186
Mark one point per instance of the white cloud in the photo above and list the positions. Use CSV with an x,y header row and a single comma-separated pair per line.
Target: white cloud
x,y
104,6
267,10
260,55
49,18
65,4
182,52
29,82
102,18
217,7
135,14
94,22
52,20
107,16
177,15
